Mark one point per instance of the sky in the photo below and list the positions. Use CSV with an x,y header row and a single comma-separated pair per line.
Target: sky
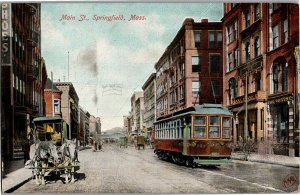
x,y
107,60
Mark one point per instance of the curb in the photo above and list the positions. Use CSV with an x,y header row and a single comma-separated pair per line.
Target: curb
x,y
16,186
266,162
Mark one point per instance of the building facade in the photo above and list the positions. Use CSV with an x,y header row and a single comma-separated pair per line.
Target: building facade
x,y
23,75
69,108
149,103
190,70
52,99
259,71
281,67
95,128
84,126
137,107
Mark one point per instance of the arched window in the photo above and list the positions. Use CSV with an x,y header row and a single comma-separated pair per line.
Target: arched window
x,y
280,75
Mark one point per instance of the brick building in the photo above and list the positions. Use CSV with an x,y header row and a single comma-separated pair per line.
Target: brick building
x,y
23,75
190,70
281,78
84,126
136,114
52,99
149,103
69,107
259,42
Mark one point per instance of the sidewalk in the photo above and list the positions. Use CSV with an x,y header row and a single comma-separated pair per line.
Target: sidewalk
x,y
21,175
270,159
17,175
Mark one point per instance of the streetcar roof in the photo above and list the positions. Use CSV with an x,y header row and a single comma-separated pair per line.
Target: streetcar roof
x,y
52,119
207,109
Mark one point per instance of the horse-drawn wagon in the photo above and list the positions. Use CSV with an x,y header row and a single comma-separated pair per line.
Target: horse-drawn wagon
x,y
51,151
140,141
123,141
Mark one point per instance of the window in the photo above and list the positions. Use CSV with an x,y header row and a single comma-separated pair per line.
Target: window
x,y
235,30
196,60
233,88
56,105
276,6
247,51
219,39
196,87
275,37
284,77
199,127
275,79
236,58
182,70
285,31
258,82
216,88
257,12
230,64
226,127
214,127
247,18
211,42
197,39
257,46
230,34
214,61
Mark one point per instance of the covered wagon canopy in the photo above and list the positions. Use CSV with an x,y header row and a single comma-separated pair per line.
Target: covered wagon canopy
x,y
52,119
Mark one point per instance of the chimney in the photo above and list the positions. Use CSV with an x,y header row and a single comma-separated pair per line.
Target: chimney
x,y
204,20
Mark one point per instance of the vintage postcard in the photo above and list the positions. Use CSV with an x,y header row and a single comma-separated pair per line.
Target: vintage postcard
x,y
150,97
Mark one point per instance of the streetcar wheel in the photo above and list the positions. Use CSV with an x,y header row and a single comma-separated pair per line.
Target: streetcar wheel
x,y
189,162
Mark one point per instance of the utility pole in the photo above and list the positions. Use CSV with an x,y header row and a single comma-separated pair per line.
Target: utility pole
x,y
52,96
68,68
246,108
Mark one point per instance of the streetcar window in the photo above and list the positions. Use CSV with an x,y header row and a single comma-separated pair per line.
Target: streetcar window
x,y
226,127
214,127
199,127
199,132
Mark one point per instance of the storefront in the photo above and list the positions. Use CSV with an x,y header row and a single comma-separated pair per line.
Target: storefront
x,y
281,115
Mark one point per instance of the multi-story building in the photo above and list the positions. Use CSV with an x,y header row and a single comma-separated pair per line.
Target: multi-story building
x,y
52,99
127,124
149,103
283,34
137,107
23,75
190,70
69,107
259,70
95,128
245,36
84,126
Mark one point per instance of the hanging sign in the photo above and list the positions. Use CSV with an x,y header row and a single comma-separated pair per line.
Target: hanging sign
x,y
6,56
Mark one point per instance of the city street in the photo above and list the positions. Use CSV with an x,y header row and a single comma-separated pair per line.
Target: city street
x,y
127,170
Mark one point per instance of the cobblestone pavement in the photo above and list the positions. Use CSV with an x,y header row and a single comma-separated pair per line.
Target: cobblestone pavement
x,y
127,170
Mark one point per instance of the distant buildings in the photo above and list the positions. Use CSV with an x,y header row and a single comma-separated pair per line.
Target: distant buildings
x,y
95,128
84,126
137,110
149,103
